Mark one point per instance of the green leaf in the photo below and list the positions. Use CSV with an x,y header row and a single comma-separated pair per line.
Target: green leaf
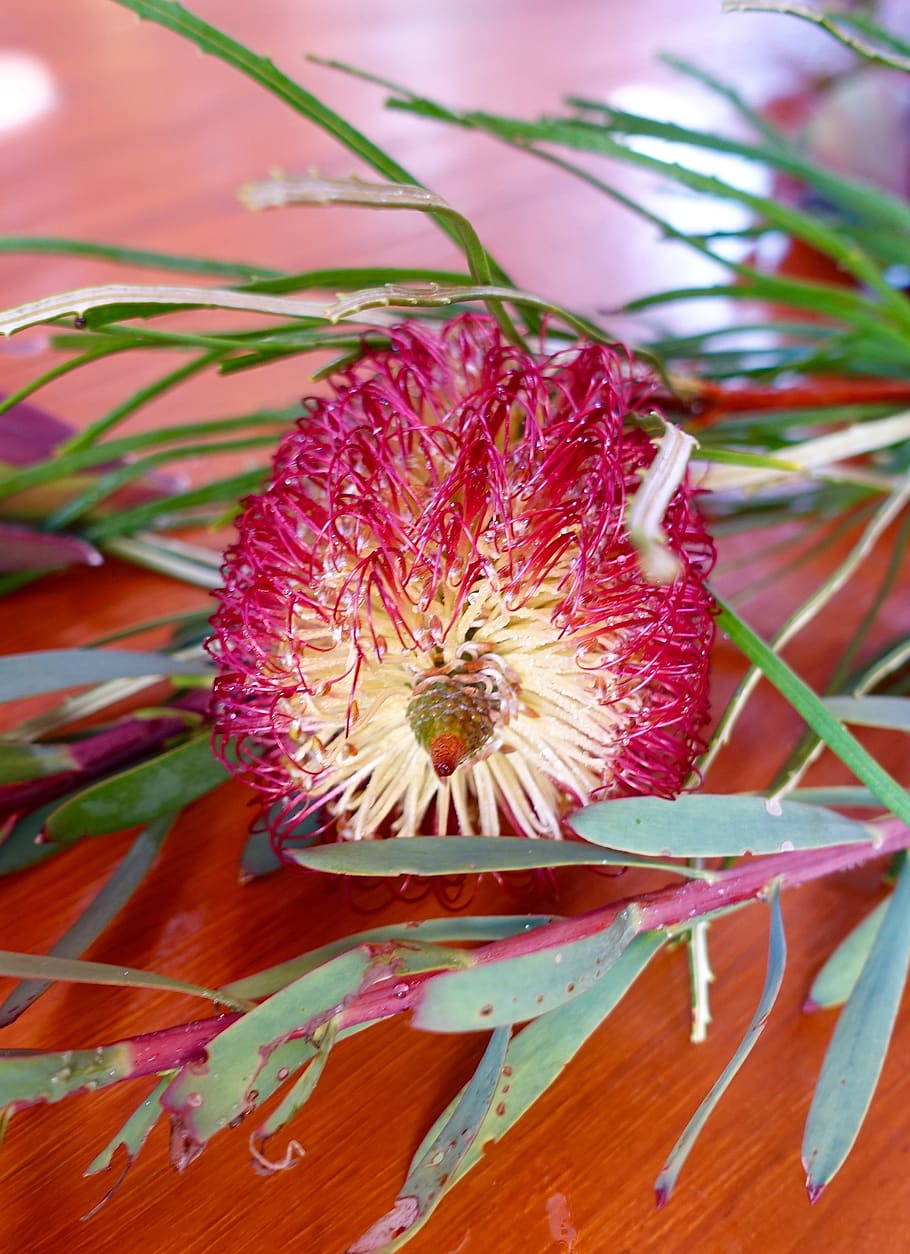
x,y
27,1077
61,247
74,971
891,712
884,48
704,826
513,990
301,1090
103,908
449,928
888,791
207,1097
777,960
20,846
134,1133
222,492
855,1057
162,785
859,199
837,978
429,1175
464,855
846,795
21,760
539,1054
28,674
262,71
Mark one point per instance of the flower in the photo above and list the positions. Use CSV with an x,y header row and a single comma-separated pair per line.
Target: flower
x,y
433,618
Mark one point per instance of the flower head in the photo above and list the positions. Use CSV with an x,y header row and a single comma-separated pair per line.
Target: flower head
x,y
434,620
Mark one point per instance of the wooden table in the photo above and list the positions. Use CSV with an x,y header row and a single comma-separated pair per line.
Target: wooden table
x,y
141,140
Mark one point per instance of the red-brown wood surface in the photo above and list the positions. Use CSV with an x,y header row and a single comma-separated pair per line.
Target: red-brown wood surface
x,y
145,143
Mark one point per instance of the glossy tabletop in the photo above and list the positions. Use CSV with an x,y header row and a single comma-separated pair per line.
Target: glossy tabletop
x,y
114,129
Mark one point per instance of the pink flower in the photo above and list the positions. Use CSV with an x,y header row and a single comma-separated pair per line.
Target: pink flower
x,y
434,620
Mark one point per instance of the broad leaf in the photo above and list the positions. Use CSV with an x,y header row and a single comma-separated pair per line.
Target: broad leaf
x,y
705,826
145,792
855,1057
513,990
466,855
837,978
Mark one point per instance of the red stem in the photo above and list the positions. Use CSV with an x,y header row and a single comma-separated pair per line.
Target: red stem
x,y
707,401
391,993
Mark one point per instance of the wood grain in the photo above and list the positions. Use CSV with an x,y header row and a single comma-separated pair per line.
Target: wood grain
x,y
146,144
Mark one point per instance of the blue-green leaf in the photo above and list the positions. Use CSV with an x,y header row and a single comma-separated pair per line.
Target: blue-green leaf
x,y
875,711
205,1099
20,847
837,978
134,1133
467,855
513,990
445,1153
539,1054
705,826
450,928
28,674
855,1057
777,958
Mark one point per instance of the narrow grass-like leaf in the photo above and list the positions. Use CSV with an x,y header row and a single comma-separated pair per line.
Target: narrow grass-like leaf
x,y
449,928
174,510
63,247
777,960
856,1055
810,707
104,485
48,670
874,711
881,47
188,563
103,908
264,72
63,464
467,855
74,971
705,826
837,978
520,988
429,1175
21,760
163,785
593,139
859,198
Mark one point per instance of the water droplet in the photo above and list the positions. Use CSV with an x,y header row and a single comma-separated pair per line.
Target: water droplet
x,y
194,1100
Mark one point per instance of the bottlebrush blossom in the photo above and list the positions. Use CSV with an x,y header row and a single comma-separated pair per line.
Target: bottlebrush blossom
x,y
434,620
